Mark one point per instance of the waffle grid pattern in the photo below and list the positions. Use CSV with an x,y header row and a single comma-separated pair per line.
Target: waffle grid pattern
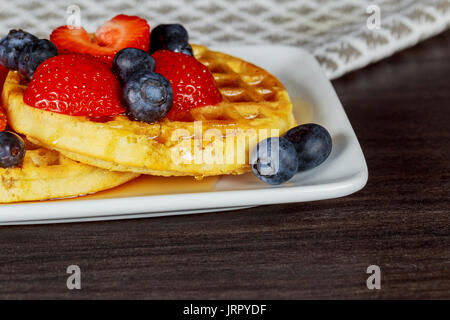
x,y
247,92
335,31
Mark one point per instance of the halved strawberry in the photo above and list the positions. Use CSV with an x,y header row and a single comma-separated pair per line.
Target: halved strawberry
x,y
120,32
192,83
75,84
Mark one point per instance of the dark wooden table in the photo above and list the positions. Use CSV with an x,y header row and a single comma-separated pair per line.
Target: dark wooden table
x,y
399,109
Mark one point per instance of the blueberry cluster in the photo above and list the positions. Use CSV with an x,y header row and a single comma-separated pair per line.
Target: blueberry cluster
x,y
20,50
147,95
276,160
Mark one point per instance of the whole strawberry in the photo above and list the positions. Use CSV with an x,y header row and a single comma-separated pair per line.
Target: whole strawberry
x,y
193,85
75,84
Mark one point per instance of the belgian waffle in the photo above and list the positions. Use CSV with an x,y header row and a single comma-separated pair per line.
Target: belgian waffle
x,y
253,100
46,174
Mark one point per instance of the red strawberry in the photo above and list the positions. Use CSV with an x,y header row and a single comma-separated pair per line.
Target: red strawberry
x,y
3,120
192,83
75,84
120,32
3,73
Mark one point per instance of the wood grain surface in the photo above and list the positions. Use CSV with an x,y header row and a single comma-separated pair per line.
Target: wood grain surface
x,y
399,109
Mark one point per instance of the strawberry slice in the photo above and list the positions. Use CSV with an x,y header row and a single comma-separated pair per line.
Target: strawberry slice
x,y
75,84
120,32
192,83
3,73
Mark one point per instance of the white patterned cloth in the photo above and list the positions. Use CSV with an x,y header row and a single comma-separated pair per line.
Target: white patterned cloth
x,y
335,31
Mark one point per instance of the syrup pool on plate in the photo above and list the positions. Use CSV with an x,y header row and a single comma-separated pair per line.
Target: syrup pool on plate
x,y
146,185
303,110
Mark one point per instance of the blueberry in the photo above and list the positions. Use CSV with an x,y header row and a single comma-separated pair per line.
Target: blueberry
x,y
313,144
164,32
180,46
11,47
148,96
33,54
12,149
274,160
130,60
172,37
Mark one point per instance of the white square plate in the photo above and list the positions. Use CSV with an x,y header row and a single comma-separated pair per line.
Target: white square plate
x,y
343,173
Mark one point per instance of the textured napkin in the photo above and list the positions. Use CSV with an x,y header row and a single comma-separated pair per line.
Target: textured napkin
x,y
342,34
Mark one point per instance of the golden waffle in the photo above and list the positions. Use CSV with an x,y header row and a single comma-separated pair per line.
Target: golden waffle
x,y
47,174
253,101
